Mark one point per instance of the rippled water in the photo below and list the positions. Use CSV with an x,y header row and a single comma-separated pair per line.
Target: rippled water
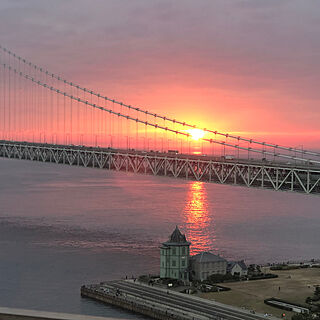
x,y
63,226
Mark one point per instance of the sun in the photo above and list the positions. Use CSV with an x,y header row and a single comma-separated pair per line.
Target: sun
x,y
196,134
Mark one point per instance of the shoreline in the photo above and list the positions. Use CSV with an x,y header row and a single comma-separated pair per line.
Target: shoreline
x,y
163,304
244,297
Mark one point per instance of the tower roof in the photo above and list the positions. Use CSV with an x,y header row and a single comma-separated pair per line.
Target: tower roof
x,y
177,238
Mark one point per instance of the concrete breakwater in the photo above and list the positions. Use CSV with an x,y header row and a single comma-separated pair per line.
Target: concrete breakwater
x,y
155,310
159,303
23,314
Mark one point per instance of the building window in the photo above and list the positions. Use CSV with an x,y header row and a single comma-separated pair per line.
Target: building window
x,y
183,263
183,250
173,250
173,263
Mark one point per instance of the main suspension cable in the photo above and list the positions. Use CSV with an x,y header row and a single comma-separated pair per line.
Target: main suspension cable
x,y
155,125
174,121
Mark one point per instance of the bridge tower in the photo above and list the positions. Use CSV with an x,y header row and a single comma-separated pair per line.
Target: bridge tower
x,y
174,257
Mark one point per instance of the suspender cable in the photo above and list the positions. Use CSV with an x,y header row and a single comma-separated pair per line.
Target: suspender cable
x,y
154,125
289,149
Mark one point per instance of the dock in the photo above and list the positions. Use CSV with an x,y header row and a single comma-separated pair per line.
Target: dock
x,y
162,304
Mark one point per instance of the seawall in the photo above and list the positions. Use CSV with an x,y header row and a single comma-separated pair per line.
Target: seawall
x,y
135,304
23,314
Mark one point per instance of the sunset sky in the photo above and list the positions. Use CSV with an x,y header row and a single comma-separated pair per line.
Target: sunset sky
x,y
247,67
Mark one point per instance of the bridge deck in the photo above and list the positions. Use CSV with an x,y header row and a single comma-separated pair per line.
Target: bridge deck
x,y
241,172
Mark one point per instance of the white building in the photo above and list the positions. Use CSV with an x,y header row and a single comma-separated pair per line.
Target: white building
x,y
237,268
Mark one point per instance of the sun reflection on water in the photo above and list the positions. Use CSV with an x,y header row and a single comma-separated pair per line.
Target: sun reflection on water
x,y
198,221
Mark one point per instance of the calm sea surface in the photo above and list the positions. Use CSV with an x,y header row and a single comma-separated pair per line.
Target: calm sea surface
x,y
61,227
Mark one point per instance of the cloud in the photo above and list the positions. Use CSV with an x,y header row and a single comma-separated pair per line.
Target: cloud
x,y
254,58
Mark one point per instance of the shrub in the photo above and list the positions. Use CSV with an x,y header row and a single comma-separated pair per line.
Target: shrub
x,y
308,300
144,278
218,278
310,316
264,276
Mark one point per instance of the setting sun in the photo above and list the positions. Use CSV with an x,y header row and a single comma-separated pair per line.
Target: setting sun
x,y
196,134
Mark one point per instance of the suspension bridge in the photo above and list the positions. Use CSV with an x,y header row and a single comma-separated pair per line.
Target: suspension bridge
x,y
45,117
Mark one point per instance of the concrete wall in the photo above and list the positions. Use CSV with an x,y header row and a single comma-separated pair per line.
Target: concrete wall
x,y
135,306
22,314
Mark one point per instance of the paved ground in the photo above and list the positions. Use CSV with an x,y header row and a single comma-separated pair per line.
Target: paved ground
x,y
295,286
185,302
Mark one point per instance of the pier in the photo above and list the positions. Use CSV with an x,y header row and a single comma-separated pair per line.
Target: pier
x,y
163,304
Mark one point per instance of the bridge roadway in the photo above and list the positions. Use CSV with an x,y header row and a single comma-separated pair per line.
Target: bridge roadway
x,y
173,155
184,302
243,172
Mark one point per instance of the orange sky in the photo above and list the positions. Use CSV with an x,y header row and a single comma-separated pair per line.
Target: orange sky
x,y
249,67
